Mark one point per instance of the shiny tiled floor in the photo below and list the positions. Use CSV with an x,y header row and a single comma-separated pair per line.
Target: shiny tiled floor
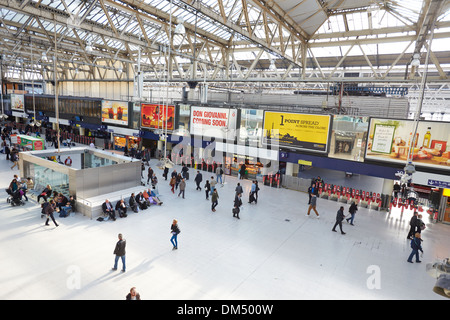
x,y
273,252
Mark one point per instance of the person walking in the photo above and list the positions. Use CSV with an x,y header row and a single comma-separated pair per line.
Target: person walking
x,y
119,251
15,159
239,189
212,183
312,206
421,225
207,189
51,207
339,218
166,173
172,183
252,195
149,174
198,179
182,187
416,246
311,191
413,225
214,200
353,208
175,230
237,205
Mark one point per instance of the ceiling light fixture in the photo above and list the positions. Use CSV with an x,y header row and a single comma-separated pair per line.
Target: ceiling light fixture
x,y
89,46
180,29
416,60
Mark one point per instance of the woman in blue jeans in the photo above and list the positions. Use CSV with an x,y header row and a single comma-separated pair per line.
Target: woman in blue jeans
x,y
175,231
353,208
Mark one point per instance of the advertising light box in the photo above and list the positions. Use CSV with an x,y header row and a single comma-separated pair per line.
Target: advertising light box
x,y
154,116
213,122
390,140
17,101
297,131
115,112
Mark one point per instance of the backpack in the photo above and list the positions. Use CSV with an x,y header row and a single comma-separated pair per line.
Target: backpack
x,y
221,171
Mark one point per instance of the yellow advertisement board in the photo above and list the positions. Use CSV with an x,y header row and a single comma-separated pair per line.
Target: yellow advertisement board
x,y
297,130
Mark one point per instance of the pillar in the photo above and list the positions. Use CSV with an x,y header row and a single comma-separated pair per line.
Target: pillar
x,y
289,169
386,192
388,186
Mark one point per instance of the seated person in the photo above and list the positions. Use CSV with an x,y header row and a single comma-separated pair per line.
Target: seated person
x,y
154,197
61,200
30,183
121,208
147,198
133,204
141,201
24,187
108,209
13,187
67,208
45,193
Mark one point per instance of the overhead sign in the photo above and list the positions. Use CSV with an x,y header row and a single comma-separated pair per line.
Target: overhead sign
x,y
115,112
296,130
213,122
155,115
439,184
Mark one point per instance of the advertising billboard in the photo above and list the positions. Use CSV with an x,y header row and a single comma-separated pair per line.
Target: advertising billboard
x,y
297,131
154,116
390,141
17,101
115,112
213,122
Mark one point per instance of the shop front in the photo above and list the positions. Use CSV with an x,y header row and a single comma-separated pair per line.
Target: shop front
x,y
446,216
28,142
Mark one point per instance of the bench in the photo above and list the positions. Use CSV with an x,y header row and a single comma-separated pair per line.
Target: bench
x,y
92,207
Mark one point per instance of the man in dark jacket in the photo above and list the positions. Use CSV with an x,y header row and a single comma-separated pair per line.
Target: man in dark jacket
x,y
198,179
108,209
237,204
413,225
339,218
119,251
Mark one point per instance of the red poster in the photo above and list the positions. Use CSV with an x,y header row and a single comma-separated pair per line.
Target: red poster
x,y
154,116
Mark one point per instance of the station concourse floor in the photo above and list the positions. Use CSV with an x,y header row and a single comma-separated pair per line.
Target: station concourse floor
x,y
273,252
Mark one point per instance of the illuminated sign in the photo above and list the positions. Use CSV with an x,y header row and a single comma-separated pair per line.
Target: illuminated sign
x,y
298,131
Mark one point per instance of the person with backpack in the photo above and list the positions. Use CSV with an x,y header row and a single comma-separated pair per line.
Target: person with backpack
x,y
416,246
